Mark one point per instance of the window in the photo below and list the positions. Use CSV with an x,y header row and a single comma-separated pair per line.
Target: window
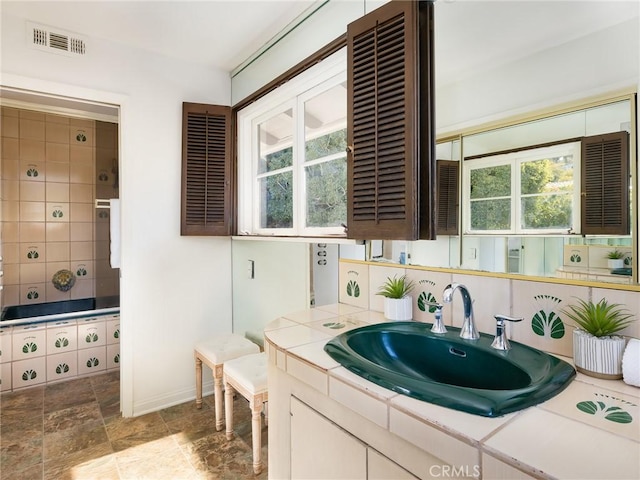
x,y
531,191
292,156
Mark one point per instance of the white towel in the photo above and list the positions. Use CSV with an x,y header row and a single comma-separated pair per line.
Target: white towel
x,y
631,363
114,232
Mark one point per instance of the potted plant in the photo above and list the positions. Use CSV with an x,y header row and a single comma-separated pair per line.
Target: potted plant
x,y
615,259
398,304
597,350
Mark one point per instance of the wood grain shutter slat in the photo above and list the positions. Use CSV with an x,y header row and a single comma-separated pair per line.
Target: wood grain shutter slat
x,y
605,184
448,196
389,75
206,170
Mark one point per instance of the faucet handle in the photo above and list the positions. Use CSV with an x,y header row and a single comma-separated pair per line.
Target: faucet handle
x,y
438,325
502,318
501,342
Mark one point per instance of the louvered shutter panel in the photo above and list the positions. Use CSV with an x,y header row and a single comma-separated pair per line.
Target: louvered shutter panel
x,y
206,170
390,128
447,184
605,184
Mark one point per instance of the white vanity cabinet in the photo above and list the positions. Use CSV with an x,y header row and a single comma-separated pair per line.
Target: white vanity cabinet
x,y
380,467
321,449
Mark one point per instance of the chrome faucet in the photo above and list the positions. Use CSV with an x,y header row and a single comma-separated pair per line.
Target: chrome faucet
x,y
469,331
501,342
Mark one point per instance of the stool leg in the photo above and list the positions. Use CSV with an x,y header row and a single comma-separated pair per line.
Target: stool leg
x,y
198,383
256,433
217,388
228,409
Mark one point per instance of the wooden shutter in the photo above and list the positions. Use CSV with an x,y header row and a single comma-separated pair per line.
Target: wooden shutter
x,y
605,184
206,170
448,200
390,174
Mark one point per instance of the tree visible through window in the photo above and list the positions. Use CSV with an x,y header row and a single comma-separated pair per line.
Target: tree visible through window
x,y
292,155
525,191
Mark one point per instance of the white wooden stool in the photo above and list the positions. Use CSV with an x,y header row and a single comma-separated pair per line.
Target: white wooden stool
x,y
214,353
248,376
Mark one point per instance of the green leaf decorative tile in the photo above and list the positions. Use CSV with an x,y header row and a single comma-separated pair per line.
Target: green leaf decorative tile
x,y
353,289
546,322
606,408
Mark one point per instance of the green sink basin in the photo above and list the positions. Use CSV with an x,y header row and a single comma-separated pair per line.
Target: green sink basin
x,y
444,369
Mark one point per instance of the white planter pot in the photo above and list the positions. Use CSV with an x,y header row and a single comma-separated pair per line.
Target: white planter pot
x,y
599,357
398,309
614,263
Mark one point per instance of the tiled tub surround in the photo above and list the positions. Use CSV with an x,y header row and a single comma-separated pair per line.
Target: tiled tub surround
x,y
55,348
53,168
590,430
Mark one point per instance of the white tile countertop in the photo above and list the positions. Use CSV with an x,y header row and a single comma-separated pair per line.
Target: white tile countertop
x,y
590,430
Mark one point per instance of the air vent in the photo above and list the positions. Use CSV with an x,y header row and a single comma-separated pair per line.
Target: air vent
x,y
55,40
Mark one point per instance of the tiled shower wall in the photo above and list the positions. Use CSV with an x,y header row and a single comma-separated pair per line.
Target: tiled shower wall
x,y
539,304
49,221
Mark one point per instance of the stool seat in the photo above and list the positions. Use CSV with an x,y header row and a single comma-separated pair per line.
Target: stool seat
x,y
249,372
248,376
225,347
214,353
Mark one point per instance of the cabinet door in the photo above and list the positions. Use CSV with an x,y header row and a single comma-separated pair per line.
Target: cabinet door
x,y
381,468
390,128
321,449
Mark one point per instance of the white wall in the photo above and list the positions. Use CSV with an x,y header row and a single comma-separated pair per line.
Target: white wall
x,y
591,65
280,284
174,290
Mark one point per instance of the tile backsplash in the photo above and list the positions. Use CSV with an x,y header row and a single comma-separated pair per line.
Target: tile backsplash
x,y
538,303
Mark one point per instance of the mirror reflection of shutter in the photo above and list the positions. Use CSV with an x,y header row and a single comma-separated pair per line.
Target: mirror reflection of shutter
x,y
605,184
447,172
390,172
206,170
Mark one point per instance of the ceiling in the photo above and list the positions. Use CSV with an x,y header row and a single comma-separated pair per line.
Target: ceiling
x,y
470,34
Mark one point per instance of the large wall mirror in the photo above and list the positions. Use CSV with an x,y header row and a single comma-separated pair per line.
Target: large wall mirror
x,y
521,200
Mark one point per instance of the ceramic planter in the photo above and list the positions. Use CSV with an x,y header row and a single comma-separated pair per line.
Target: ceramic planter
x,y
599,357
398,309
614,263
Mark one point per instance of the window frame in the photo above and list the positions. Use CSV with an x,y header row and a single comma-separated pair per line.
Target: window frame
x,y
515,160
321,77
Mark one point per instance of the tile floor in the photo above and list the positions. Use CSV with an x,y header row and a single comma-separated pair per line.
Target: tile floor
x,y
73,430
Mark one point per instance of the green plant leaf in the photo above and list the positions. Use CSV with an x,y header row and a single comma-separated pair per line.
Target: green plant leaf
x,y
396,287
599,319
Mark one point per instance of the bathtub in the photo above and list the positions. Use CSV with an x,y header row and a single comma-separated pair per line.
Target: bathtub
x,y
54,311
